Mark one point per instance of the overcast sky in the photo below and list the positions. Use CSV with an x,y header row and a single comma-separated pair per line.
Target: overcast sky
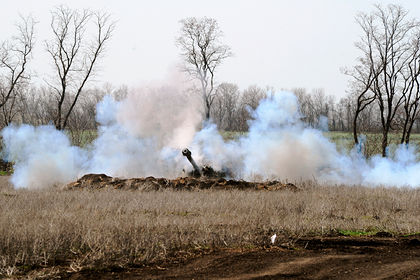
x,y
279,43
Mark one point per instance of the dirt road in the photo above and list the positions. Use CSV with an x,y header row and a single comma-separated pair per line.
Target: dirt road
x,y
339,257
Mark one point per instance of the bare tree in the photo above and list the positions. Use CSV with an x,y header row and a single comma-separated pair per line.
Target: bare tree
x,y
202,53
10,110
249,101
386,46
320,106
411,88
227,102
331,112
342,113
306,104
252,96
35,105
14,57
361,88
75,57
218,111
313,106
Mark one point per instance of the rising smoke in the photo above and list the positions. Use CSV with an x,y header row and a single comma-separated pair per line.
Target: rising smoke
x,y
143,135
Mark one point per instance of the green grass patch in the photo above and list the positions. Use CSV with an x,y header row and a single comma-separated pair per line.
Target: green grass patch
x,y
82,138
411,234
393,138
356,232
232,135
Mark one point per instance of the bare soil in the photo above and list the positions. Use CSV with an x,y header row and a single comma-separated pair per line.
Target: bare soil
x,y
340,257
379,256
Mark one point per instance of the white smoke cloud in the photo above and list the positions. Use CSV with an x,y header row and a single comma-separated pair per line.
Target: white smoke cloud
x,y
43,156
143,135
279,144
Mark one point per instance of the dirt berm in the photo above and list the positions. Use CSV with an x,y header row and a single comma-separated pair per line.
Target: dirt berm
x,y
102,181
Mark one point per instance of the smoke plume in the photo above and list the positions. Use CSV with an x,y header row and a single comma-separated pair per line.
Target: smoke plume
x,y
143,135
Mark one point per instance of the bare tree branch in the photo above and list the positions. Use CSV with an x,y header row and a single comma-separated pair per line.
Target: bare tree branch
x,y
75,57
14,58
202,54
383,73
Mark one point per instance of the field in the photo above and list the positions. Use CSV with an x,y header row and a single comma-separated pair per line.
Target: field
x,y
212,233
344,141
155,228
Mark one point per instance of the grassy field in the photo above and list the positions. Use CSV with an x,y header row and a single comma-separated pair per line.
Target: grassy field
x,y
85,229
393,138
372,143
344,140
82,138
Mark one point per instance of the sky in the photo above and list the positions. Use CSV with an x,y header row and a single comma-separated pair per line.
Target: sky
x,y
282,44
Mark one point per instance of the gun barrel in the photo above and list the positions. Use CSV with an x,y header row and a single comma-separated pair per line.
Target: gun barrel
x,y
187,153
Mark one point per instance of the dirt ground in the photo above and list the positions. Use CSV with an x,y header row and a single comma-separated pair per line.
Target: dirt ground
x,y
381,256
342,257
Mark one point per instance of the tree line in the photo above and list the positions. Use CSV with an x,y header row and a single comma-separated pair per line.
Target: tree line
x,y
230,111
74,56
386,77
383,94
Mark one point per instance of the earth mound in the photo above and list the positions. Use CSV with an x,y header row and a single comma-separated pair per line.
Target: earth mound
x,y
102,181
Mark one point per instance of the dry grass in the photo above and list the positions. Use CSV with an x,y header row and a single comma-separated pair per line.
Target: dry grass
x,y
80,229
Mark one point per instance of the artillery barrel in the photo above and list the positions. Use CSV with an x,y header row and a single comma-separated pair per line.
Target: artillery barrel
x,y
187,153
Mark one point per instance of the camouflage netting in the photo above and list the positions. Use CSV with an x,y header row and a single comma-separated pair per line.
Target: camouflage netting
x,y
102,181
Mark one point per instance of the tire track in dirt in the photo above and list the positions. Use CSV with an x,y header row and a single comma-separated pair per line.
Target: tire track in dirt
x,y
291,268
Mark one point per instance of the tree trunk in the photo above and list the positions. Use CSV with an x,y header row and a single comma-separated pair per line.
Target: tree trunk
x,y
404,133
356,140
408,133
207,109
384,141
406,121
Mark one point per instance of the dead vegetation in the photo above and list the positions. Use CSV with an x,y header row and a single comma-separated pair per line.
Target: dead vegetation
x,y
101,221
